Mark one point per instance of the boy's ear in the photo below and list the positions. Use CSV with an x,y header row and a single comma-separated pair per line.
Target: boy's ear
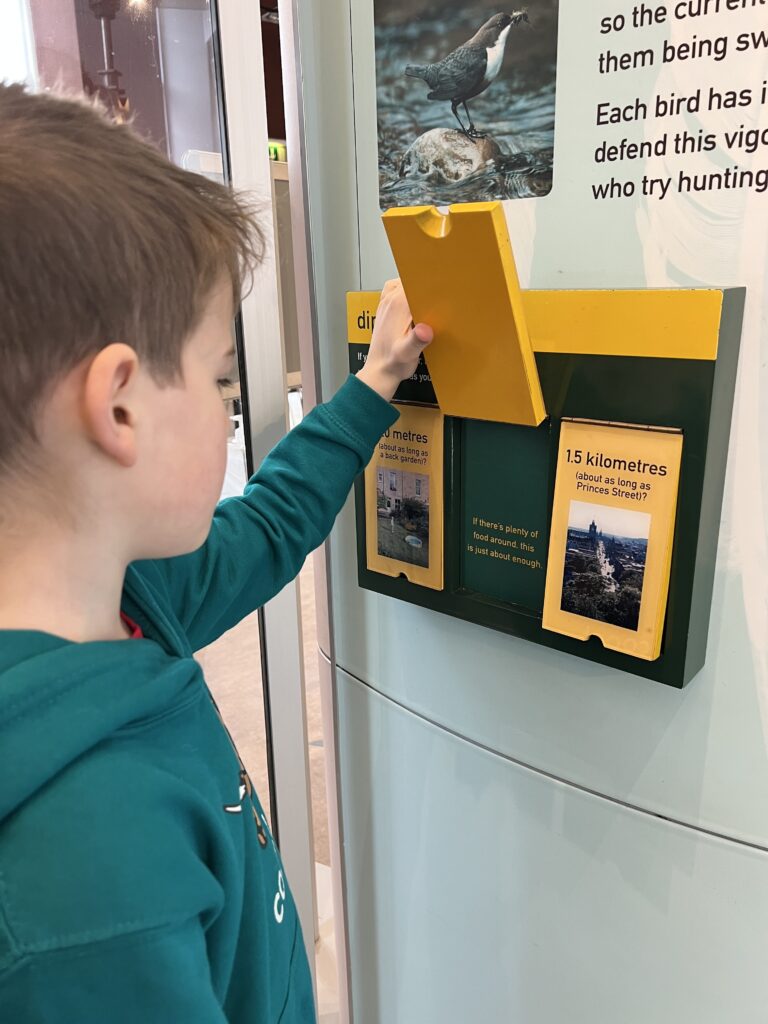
x,y
110,402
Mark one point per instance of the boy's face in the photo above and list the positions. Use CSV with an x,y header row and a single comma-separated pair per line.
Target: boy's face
x,y
184,445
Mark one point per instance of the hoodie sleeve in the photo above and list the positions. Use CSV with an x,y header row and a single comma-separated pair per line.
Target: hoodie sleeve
x,y
154,977
258,542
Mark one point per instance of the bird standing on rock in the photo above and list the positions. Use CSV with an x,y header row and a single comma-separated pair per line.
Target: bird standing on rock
x,y
470,69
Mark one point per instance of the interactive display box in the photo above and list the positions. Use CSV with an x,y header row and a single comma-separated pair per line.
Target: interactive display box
x,y
609,558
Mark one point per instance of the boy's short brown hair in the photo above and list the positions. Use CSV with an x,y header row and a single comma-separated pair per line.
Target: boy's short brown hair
x,y
101,240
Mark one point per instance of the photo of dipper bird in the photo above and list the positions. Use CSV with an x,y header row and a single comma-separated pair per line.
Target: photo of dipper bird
x,y
500,84
470,69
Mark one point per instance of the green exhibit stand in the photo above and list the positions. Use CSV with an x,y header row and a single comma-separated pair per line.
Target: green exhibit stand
x,y
663,358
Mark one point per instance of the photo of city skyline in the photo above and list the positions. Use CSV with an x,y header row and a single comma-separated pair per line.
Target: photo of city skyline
x,y
604,567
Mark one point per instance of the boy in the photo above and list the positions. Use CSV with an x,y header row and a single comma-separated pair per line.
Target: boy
x,y
138,879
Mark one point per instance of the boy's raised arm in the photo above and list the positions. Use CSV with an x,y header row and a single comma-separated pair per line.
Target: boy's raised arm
x,y
258,542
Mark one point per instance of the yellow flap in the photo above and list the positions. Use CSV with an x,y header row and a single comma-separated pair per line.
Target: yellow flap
x,y
459,275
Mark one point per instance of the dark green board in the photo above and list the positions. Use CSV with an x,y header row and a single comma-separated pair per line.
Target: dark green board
x,y
502,473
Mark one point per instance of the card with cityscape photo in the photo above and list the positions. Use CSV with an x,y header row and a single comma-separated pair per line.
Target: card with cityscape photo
x,y
465,100
613,522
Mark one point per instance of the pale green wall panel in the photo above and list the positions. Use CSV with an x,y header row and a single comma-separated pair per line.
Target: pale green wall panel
x,y
481,891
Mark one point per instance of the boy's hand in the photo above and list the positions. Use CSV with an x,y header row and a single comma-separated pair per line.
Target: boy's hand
x,y
396,344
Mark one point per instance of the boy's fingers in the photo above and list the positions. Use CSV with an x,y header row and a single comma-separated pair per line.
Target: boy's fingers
x,y
424,333
395,291
399,302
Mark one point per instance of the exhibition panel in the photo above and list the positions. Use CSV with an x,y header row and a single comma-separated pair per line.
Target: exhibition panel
x,y
623,481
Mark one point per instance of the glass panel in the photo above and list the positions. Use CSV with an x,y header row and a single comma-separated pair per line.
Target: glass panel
x,y
152,60
284,252
17,52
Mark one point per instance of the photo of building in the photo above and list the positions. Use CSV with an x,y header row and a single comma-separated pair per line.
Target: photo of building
x,y
402,515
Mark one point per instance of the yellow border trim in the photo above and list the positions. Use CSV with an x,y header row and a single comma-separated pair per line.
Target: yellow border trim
x,y
661,324
681,323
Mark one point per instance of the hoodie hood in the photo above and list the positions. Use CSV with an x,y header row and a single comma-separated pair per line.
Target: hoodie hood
x,y
59,700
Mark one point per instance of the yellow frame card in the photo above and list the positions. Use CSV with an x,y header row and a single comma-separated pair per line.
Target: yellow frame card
x,y
404,499
613,523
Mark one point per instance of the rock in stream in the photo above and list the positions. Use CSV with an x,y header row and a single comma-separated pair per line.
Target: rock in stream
x,y
448,153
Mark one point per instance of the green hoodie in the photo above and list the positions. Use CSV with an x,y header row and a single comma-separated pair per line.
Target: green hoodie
x,y
139,883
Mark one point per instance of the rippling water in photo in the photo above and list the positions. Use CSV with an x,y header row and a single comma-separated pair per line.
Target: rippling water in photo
x,y
517,111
